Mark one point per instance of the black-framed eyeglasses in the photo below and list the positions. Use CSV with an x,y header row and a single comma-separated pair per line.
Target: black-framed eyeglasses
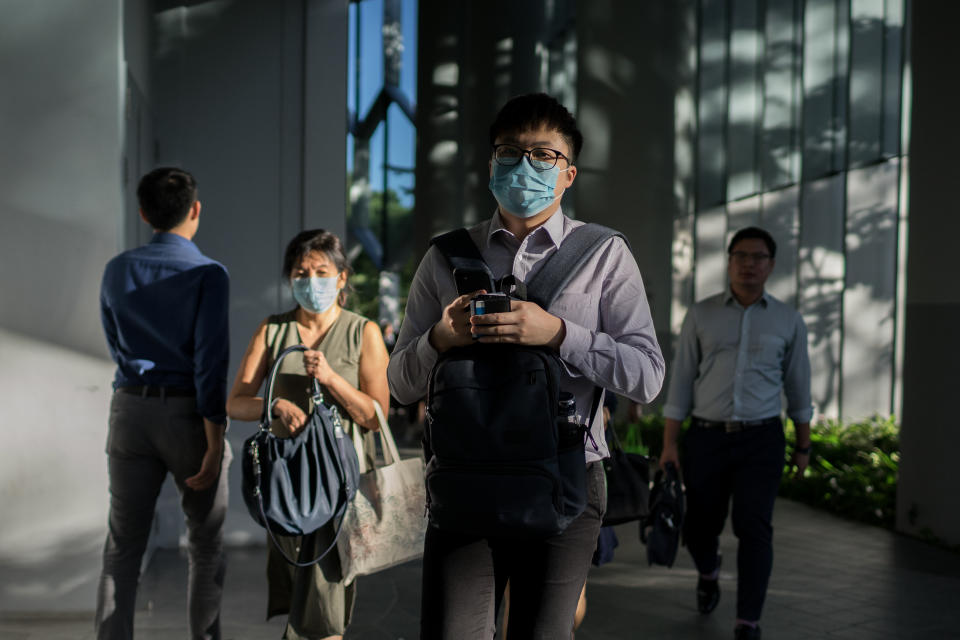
x,y
742,256
540,158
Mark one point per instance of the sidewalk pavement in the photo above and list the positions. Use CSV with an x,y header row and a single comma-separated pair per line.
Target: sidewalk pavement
x,y
832,579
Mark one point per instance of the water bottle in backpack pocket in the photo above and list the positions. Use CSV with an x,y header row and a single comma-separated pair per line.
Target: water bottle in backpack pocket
x,y
570,456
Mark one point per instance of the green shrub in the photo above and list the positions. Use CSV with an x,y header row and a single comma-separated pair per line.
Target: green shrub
x,y
644,437
853,469
852,472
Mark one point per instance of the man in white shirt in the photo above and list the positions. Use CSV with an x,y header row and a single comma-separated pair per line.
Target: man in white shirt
x,y
599,325
738,351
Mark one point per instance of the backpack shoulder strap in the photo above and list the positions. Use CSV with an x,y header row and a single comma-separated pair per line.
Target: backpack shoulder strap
x,y
460,251
566,261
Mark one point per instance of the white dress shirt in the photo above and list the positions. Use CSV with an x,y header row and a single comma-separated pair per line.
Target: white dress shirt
x,y
732,362
610,340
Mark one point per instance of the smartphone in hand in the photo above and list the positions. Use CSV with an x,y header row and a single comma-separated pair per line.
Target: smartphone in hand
x,y
470,280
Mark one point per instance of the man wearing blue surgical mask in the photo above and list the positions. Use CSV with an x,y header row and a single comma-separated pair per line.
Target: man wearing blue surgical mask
x,y
599,326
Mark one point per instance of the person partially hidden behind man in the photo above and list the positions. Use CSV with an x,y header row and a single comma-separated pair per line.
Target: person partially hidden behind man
x,y
164,310
737,351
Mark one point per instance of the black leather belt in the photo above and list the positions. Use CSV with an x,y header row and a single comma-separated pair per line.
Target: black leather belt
x,y
156,391
731,426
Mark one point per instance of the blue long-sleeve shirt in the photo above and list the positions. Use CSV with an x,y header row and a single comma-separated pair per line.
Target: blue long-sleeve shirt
x,y
164,310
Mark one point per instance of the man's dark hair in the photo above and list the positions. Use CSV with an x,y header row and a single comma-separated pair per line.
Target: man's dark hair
x,y
754,232
323,241
165,196
532,111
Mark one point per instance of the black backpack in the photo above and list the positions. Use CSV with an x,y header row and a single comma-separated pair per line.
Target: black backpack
x,y
500,463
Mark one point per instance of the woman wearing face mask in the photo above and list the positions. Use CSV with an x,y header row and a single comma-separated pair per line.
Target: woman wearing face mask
x,y
348,358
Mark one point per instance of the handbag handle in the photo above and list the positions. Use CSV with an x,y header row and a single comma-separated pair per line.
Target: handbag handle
x,y
389,445
615,439
272,378
369,446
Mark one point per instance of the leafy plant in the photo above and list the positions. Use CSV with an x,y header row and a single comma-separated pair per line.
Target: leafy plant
x,y
365,277
853,469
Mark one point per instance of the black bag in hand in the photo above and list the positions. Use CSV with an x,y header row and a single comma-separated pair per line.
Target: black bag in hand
x,y
628,484
294,486
660,530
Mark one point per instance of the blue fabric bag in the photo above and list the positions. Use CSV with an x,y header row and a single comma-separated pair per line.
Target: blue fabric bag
x,y
294,486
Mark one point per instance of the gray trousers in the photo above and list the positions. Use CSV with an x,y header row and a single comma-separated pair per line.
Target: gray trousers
x,y
464,577
147,438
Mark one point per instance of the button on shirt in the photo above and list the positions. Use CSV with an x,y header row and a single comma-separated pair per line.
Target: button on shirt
x,y
610,340
732,362
164,311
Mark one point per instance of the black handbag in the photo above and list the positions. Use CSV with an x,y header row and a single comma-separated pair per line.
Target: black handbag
x,y
628,484
294,486
660,530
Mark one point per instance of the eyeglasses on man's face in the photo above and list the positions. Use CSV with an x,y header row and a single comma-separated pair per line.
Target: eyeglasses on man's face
x,y
540,158
744,256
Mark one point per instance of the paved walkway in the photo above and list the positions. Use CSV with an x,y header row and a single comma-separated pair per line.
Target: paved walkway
x,y
832,579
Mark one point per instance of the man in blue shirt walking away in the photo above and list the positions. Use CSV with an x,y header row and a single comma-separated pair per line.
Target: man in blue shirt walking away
x,y
164,310
738,350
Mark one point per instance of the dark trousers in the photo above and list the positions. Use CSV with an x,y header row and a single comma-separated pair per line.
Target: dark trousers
x,y
148,438
746,465
464,577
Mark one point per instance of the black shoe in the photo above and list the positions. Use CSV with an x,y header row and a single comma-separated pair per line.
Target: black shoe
x,y
708,594
708,591
746,632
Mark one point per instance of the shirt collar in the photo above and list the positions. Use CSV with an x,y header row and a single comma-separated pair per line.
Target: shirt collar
x,y
165,237
553,227
728,297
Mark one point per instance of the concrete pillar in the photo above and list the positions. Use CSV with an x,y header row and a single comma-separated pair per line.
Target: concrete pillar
x,y
930,439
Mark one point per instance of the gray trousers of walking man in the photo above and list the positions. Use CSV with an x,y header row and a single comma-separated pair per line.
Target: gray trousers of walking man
x,y
149,437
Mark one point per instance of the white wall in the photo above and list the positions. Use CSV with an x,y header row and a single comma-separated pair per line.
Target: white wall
x,y
60,205
223,91
250,97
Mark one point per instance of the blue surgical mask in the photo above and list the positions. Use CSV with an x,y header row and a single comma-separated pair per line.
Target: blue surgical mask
x,y
522,190
315,295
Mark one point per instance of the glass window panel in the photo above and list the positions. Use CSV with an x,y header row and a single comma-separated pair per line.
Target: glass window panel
x,y
778,153
780,216
841,93
408,70
821,266
710,252
866,80
870,289
712,103
742,213
371,52
400,183
824,86
744,96
892,83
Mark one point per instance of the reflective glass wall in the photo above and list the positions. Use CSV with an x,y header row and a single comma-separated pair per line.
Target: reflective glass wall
x,y
797,113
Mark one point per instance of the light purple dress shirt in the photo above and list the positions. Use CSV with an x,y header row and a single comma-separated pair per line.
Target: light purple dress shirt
x,y
610,340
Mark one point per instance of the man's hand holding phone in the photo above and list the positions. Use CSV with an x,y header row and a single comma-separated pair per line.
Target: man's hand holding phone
x,y
453,328
525,323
